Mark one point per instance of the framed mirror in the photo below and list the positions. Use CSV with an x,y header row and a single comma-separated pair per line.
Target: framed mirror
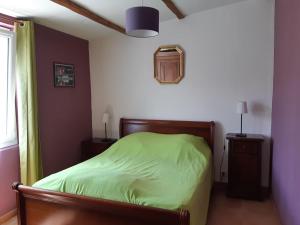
x,y
168,64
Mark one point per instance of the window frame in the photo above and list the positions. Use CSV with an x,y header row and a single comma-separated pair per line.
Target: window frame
x,y
11,84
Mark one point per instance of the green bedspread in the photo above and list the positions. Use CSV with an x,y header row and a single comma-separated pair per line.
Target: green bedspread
x,y
143,168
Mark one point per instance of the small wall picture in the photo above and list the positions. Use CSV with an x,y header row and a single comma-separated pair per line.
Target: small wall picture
x,y
64,75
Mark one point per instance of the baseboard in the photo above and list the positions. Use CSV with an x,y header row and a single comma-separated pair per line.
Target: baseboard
x,y
7,216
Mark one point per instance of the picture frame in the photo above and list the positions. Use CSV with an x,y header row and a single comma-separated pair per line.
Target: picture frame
x,y
64,75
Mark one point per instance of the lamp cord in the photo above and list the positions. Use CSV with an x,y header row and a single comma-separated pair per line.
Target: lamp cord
x,y
222,160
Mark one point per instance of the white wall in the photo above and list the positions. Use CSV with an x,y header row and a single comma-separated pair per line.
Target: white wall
x,y
228,57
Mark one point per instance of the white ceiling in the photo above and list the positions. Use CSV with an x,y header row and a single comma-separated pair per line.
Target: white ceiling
x,y
57,17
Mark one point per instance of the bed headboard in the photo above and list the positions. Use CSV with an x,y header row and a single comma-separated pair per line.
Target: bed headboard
x,y
197,128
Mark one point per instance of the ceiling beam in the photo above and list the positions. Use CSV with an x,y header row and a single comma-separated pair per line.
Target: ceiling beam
x,y
89,14
174,8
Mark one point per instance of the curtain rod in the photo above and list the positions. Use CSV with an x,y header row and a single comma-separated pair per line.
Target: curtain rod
x,y
9,20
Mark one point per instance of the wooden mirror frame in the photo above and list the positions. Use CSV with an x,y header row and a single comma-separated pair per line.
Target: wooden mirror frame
x,y
175,63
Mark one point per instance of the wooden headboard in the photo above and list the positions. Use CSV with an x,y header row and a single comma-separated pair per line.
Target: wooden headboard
x,y
197,128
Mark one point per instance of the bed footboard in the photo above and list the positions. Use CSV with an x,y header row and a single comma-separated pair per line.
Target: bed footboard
x,y
42,207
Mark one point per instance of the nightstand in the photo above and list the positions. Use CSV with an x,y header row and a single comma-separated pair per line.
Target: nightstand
x,y
95,146
244,166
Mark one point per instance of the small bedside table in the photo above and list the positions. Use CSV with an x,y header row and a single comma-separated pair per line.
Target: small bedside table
x,y
244,166
95,146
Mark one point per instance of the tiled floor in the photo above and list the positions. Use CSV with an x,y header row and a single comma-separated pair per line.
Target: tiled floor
x,y
228,211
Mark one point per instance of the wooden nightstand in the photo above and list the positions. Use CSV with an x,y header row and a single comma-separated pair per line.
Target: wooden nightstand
x,y
244,166
95,146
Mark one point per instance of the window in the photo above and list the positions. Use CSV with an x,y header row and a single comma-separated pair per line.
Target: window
x,y
8,131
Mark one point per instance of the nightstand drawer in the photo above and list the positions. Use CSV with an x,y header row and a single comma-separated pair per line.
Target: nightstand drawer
x,y
245,147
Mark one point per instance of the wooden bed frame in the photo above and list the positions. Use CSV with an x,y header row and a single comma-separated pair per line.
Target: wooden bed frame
x,y
41,207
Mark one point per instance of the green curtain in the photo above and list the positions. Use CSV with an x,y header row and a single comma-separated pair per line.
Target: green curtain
x,y
30,158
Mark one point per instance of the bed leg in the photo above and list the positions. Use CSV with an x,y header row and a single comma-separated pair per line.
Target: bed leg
x,y
20,204
184,217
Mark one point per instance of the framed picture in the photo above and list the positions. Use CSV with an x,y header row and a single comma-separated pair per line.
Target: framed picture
x,y
64,75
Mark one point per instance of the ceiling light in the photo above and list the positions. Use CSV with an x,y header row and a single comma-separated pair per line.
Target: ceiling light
x,y
142,22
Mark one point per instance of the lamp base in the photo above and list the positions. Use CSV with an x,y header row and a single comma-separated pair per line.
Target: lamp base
x,y
241,135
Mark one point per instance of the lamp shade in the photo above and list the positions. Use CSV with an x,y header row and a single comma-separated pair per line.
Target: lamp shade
x,y
241,107
142,22
105,118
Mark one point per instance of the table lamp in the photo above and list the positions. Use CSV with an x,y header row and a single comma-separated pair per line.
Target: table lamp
x,y
105,119
241,108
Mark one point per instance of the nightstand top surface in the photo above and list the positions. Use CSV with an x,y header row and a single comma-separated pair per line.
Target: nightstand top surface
x,y
257,137
102,140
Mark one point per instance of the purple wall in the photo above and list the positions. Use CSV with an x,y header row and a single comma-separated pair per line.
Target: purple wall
x,y
64,113
9,173
286,111
9,168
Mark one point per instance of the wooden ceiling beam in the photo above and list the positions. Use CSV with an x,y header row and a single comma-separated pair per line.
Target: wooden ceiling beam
x,y
89,14
170,4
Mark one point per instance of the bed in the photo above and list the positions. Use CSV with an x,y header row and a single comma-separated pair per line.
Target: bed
x,y
39,206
